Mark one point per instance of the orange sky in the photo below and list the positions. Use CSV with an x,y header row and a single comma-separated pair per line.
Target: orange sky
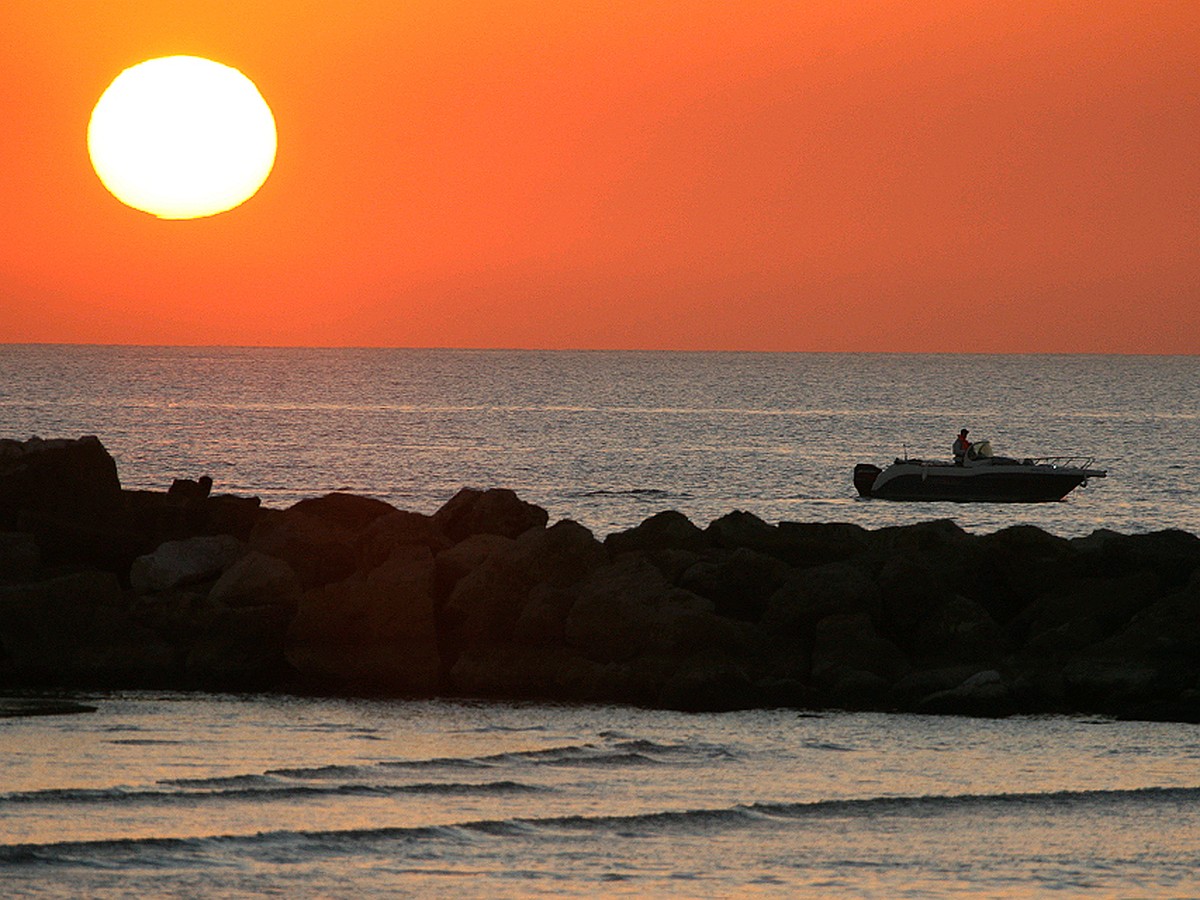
x,y
696,174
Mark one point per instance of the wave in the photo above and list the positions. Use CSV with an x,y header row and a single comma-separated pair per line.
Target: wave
x,y
351,779
695,821
275,791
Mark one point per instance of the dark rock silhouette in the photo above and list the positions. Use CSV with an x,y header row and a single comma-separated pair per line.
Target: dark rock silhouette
x,y
102,587
495,511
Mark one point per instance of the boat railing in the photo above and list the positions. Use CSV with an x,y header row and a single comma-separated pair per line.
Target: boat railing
x,y
1074,462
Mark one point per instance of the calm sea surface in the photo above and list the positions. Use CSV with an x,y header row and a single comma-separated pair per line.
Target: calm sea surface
x,y
185,796
609,438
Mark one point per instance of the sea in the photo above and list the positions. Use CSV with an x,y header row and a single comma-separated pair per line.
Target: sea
x,y
196,795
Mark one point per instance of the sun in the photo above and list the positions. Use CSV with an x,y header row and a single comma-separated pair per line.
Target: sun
x,y
182,137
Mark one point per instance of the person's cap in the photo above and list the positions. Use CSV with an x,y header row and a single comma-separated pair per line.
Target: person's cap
x,y
964,431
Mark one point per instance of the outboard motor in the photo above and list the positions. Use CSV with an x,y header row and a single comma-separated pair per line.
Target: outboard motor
x,y
864,478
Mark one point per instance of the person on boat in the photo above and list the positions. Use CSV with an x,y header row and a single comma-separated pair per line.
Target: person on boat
x,y
962,447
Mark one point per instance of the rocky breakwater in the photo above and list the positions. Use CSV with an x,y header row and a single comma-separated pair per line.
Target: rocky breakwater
x,y
102,587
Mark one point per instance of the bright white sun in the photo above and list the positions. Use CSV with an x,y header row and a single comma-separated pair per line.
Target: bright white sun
x,y
182,137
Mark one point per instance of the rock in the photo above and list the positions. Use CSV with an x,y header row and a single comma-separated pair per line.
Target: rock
x,y
186,489
776,692
57,479
347,511
809,595
740,583
374,633
178,563
66,493
71,629
743,529
627,609
1017,565
1172,554
19,556
257,580
1086,611
959,630
487,602
320,552
708,687
817,543
525,672
399,533
1106,685
984,694
910,593
845,644
923,538
496,511
227,514
455,562
669,530
917,685
241,649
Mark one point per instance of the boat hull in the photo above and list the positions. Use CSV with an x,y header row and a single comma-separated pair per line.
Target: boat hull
x,y
914,481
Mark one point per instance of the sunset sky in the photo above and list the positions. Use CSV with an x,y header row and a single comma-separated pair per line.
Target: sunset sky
x,y
876,176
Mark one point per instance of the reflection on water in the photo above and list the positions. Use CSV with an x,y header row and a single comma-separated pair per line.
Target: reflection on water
x,y
244,795
609,438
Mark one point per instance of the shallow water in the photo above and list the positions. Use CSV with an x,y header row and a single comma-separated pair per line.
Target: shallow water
x,y
172,795
610,438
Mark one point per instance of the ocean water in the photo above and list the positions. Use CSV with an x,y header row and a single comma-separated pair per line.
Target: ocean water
x,y
186,796
178,796
610,438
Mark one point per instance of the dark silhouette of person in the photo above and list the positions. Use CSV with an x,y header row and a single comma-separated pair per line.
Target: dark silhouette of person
x,y
962,447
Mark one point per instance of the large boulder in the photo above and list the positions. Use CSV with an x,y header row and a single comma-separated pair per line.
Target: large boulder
x,y
177,563
72,630
1085,612
19,556
809,595
240,649
398,533
984,694
739,582
669,530
66,493
457,561
1017,565
958,629
627,609
709,686
348,511
487,602
910,592
319,551
257,580
744,529
934,537
372,633
57,479
816,543
845,649
1172,554
495,511
533,672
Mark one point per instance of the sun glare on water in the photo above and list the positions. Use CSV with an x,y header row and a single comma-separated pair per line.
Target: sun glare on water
x,y
182,137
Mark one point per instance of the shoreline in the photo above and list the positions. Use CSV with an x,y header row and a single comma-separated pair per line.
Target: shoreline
x,y
103,587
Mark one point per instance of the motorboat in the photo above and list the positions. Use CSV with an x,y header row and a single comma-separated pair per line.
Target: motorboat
x,y
978,478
